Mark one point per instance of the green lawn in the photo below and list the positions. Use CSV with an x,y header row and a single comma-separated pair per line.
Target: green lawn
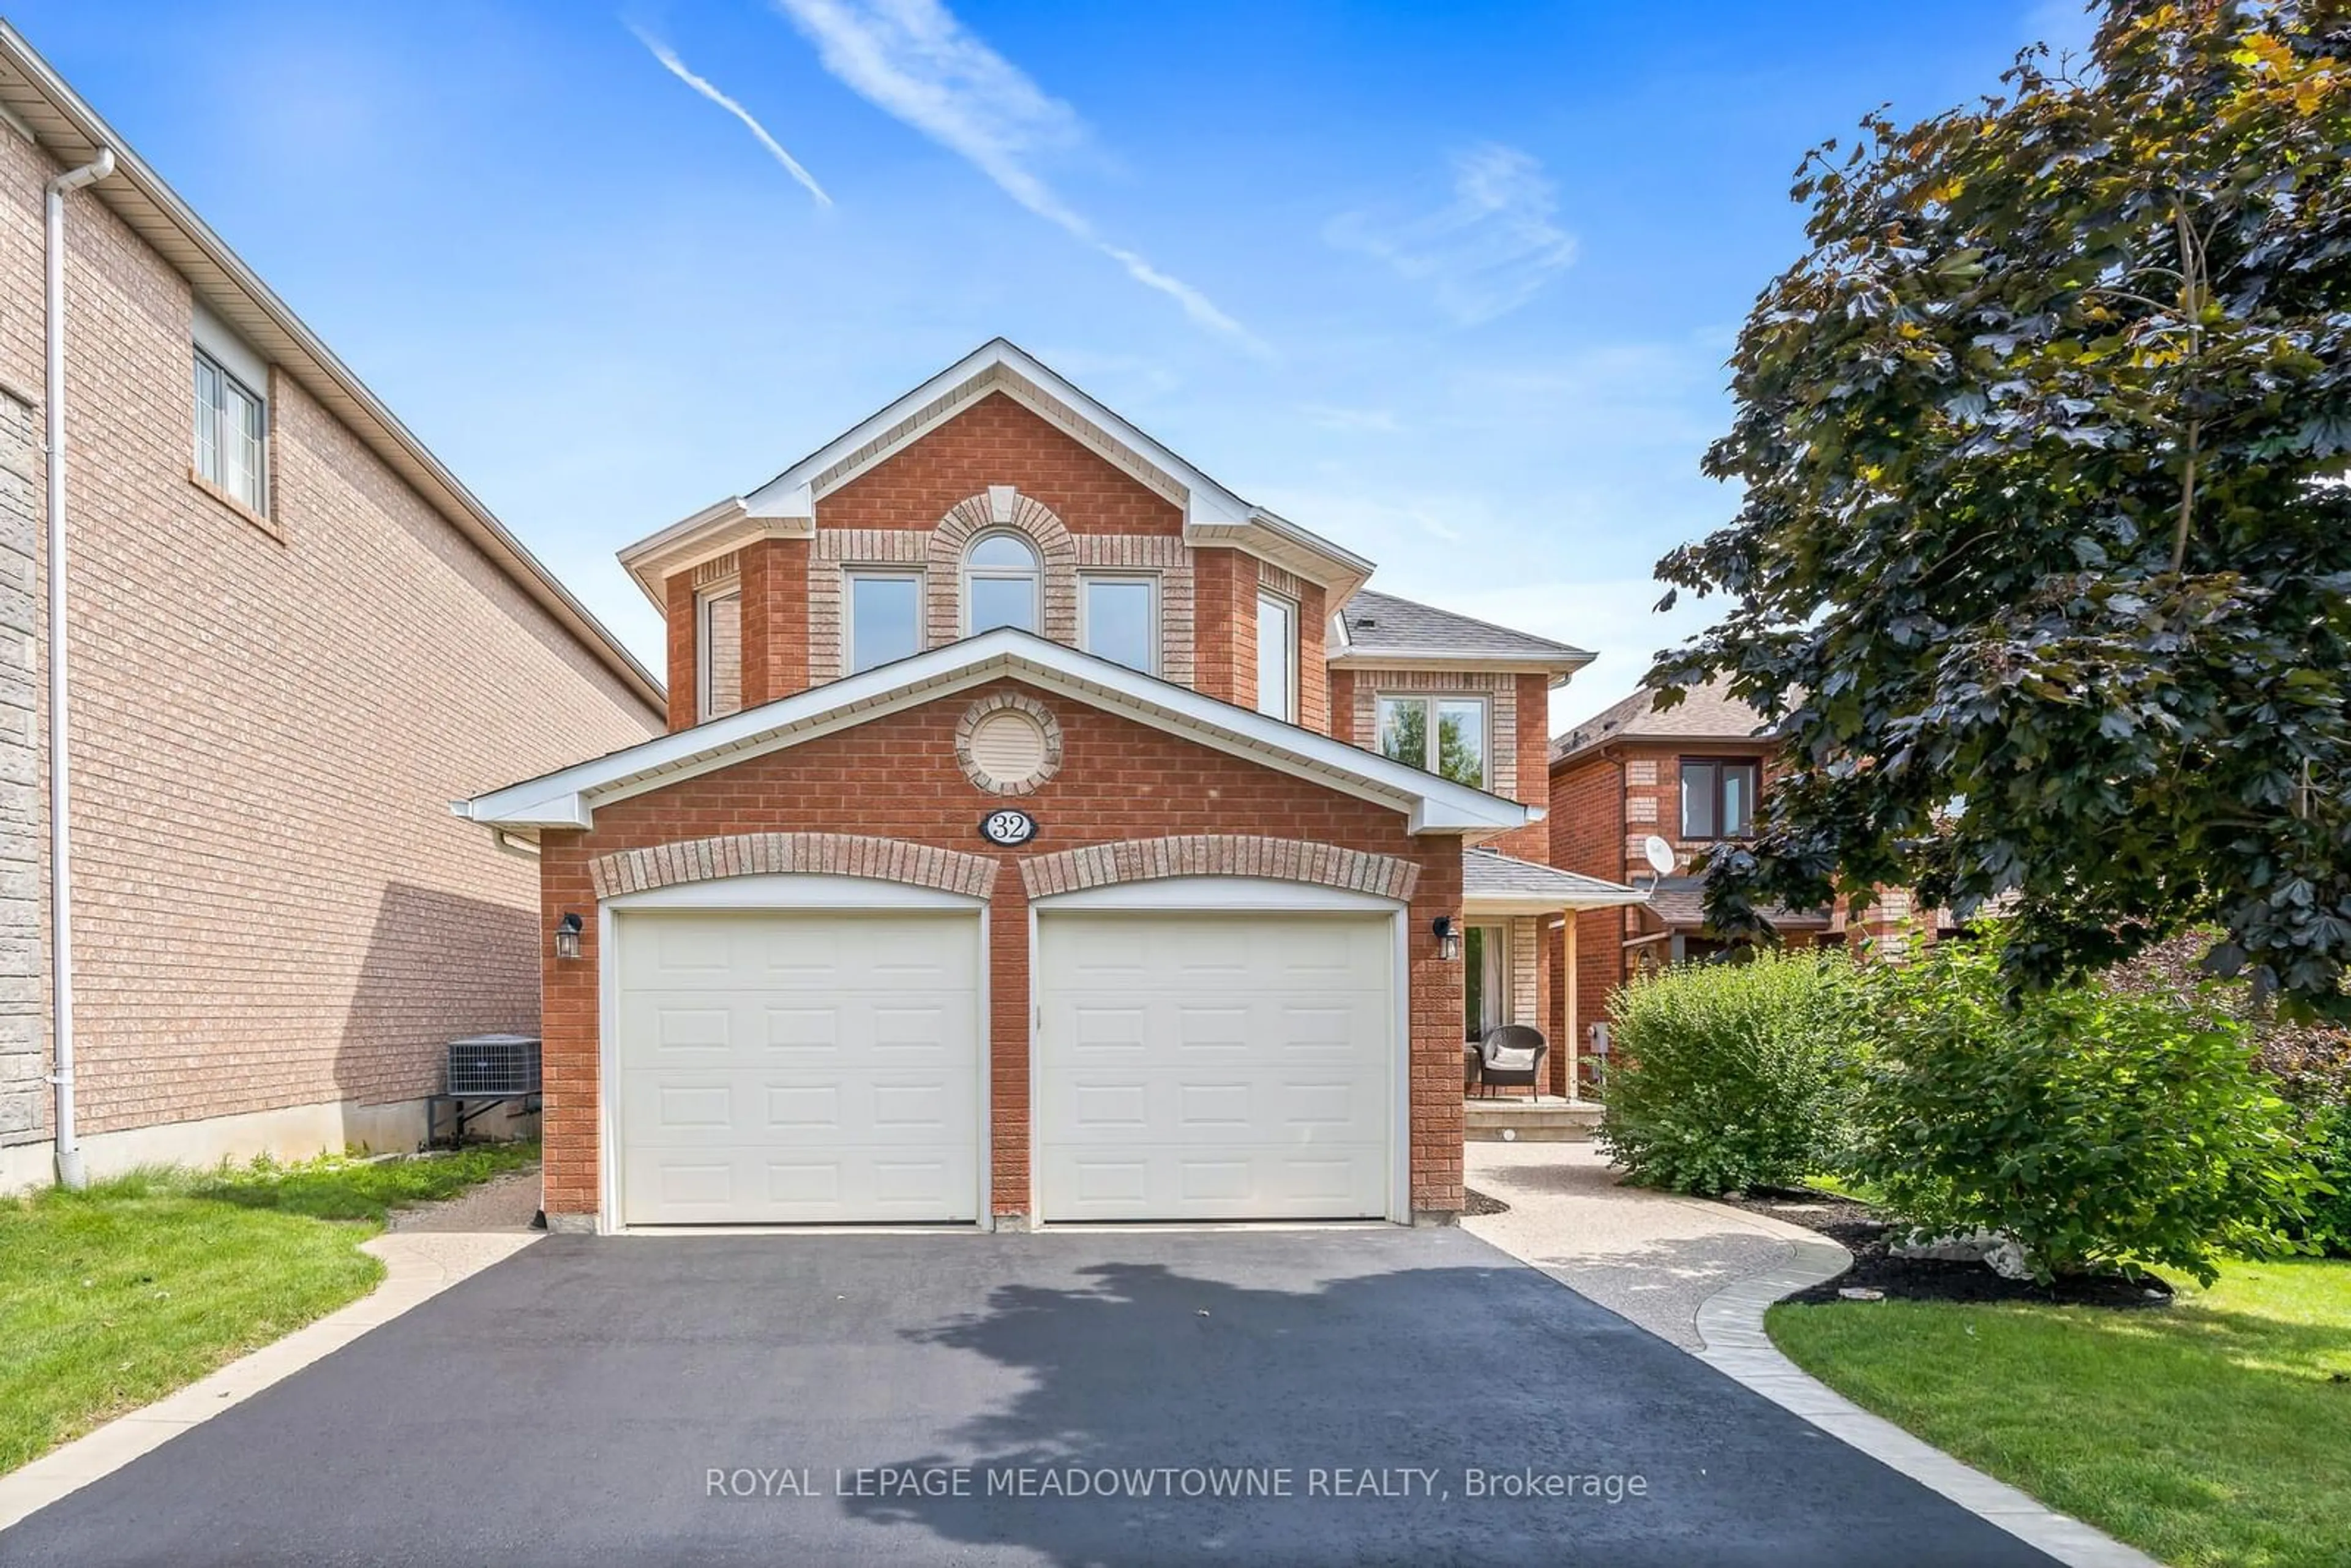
x,y
2216,1431
111,1298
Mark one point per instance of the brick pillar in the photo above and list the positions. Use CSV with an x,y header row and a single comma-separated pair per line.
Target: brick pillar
x,y
569,1027
1215,627
1436,1034
1313,674
775,619
683,688
1342,708
1013,1200
1531,697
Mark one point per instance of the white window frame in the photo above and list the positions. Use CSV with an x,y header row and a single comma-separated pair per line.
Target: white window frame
x,y
222,408
704,598
1266,597
1432,751
1034,575
1150,581
850,577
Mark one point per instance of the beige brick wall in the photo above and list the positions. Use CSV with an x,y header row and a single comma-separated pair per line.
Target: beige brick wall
x,y
273,906
23,993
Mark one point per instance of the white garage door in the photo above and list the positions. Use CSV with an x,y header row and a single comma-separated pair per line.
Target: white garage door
x,y
1215,1066
797,1067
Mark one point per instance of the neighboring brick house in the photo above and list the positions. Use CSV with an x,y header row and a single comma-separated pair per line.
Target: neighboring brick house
x,y
1045,833
1693,775
293,638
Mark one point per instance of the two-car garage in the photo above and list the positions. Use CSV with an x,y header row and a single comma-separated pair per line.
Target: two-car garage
x,y
828,1065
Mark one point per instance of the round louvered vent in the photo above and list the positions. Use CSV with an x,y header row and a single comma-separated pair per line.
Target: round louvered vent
x,y
1009,743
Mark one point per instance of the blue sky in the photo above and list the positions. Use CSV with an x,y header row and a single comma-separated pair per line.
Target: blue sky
x,y
1452,284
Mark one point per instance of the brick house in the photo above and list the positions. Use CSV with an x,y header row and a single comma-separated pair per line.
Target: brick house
x,y
282,617
1043,834
1692,776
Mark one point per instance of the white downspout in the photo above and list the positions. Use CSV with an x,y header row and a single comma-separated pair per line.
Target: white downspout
x,y
70,1171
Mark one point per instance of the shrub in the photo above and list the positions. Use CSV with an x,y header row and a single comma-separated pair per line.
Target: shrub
x,y
2326,1139
2101,1130
1731,1075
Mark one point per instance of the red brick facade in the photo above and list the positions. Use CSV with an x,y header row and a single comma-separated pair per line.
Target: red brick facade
x,y
897,778
891,790
1605,803
1587,835
775,619
996,441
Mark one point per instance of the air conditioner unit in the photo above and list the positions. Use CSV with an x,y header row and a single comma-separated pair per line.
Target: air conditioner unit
x,y
494,1066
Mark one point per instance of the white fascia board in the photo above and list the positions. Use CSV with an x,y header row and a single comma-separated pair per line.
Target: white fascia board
x,y
677,533
1540,904
1337,572
561,809
706,536
568,797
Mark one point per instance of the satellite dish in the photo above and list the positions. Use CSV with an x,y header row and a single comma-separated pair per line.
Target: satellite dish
x,y
1659,854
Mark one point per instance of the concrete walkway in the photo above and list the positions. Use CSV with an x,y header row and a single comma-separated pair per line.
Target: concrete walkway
x,y
1648,1256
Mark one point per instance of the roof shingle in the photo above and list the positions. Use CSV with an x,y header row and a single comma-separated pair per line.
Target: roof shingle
x,y
1706,712
1489,874
1680,900
1380,625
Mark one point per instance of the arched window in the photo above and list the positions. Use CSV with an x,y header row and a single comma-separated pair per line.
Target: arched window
x,y
1001,584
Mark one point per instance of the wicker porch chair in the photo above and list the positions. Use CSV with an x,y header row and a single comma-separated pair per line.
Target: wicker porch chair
x,y
1512,1055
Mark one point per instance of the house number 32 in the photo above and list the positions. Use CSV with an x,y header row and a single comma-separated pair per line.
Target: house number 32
x,y
1007,828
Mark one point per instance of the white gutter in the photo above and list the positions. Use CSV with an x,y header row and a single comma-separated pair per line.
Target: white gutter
x,y
68,1149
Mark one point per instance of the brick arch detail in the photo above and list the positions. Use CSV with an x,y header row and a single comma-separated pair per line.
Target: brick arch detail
x,y
755,855
1219,854
1001,507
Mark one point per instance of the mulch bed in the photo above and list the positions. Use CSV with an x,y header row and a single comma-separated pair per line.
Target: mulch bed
x,y
1863,1232
1483,1203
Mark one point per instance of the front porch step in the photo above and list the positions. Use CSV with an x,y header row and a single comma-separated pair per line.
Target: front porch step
x,y
1545,1120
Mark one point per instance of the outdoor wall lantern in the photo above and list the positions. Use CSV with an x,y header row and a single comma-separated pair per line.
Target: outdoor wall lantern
x,y
567,935
1449,937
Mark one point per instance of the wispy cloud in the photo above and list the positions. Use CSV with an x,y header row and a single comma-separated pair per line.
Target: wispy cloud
x,y
913,59
1488,251
677,67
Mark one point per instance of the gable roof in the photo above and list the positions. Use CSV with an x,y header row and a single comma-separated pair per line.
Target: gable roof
x,y
36,102
1382,628
785,507
569,797
1706,712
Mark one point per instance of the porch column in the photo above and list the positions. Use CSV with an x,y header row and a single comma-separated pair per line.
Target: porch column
x,y
1574,1042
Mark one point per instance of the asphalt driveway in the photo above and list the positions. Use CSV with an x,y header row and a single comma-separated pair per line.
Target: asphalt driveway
x,y
1375,1395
